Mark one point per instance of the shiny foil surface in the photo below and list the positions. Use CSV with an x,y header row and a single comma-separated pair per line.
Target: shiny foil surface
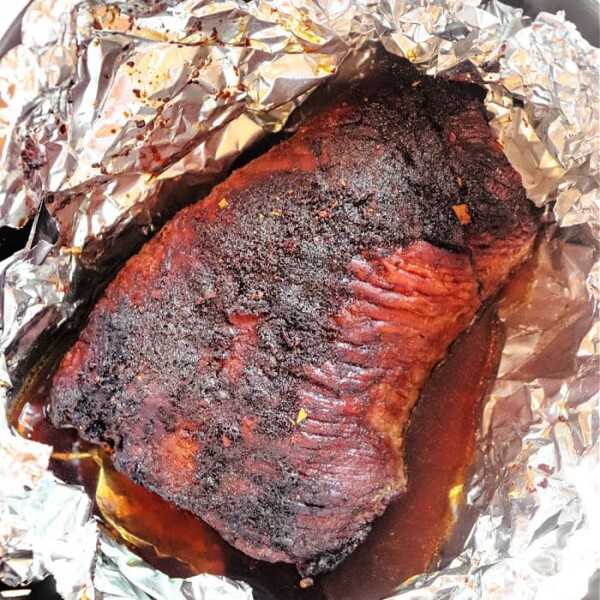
x,y
107,107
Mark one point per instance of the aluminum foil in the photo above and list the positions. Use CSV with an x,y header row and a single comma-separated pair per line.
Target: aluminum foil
x,y
108,106
120,574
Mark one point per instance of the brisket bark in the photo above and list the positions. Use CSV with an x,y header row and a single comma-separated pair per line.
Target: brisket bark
x,y
256,363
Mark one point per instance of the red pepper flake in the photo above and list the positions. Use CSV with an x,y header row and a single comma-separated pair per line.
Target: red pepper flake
x,y
291,246
324,214
130,64
452,137
543,483
248,425
226,441
224,95
155,153
459,181
546,469
306,582
137,93
462,212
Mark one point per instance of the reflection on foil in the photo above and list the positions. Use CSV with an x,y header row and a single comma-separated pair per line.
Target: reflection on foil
x,y
45,524
109,105
121,574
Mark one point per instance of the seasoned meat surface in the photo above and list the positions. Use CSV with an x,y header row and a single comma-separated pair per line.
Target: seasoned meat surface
x,y
256,363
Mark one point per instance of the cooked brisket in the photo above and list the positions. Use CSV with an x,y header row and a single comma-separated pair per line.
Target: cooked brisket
x,y
256,363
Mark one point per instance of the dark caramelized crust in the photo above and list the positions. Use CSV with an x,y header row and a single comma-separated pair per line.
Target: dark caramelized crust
x,y
257,361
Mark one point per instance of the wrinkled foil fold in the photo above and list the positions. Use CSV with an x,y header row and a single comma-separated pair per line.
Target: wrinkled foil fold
x,y
108,105
121,574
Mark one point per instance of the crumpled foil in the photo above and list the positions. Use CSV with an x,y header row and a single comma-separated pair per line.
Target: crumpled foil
x,y
121,574
108,105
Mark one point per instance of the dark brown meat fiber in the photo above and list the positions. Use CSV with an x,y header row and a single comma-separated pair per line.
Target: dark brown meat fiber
x,y
256,363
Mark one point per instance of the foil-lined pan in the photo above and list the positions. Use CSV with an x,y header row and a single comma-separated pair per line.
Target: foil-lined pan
x,y
108,108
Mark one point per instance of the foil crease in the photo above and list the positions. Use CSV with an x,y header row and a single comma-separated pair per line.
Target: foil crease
x,y
45,525
107,105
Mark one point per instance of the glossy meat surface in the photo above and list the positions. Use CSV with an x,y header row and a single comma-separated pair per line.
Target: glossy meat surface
x,y
257,361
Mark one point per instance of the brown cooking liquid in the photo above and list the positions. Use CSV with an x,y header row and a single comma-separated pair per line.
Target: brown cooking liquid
x,y
405,541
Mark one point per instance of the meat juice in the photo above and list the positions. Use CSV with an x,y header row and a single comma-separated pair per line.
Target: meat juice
x,y
405,541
